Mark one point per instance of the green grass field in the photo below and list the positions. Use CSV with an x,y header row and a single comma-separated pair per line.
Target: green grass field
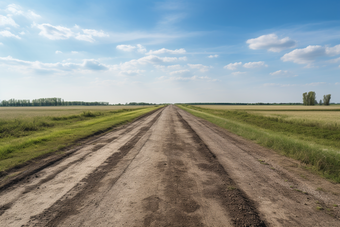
x,y
29,132
308,134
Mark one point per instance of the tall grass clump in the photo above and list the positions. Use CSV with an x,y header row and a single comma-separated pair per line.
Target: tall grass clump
x,y
324,159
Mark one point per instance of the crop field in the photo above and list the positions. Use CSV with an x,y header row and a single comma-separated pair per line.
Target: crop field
x,y
28,132
323,116
7,113
308,134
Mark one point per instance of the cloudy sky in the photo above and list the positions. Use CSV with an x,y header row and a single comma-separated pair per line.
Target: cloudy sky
x,y
170,51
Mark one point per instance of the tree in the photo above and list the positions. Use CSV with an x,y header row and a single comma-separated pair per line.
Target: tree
x,y
309,98
320,103
305,99
326,99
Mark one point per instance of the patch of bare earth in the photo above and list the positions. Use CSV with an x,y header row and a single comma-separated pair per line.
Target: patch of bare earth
x,y
170,169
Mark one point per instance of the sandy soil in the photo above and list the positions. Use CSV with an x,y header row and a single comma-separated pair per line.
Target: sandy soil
x,y
169,168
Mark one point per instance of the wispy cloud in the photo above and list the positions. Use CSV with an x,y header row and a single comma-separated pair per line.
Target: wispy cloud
x,y
22,65
252,65
249,65
200,67
283,73
293,85
59,32
5,20
15,9
213,56
233,66
166,51
238,73
9,34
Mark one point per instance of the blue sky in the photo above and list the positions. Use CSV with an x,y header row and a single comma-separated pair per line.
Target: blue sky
x,y
170,51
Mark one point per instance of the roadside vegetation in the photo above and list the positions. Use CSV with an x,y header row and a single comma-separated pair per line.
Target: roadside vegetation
x,y
315,143
48,129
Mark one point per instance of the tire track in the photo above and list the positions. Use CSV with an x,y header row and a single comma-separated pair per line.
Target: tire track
x,y
241,209
67,205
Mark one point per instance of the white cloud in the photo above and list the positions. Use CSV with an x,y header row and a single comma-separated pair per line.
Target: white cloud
x,y
94,65
128,48
95,33
88,34
238,73
58,52
167,51
174,66
85,37
200,67
54,32
74,52
193,78
17,10
153,59
150,59
182,71
22,33
8,34
14,9
315,84
213,56
306,55
278,85
32,15
1,44
7,21
271,42
140,48
233,66
251,65
293,85
22,65
59,32
284,73
131,72
183,58
332,51
336,60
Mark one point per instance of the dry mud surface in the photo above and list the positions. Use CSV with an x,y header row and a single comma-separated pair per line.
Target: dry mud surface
x,y
170,168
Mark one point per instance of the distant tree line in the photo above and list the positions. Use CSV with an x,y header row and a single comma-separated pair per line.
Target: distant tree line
x,y
49,102
309,99
139,104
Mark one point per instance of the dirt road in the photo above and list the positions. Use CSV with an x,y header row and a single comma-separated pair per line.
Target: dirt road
x,y
170,169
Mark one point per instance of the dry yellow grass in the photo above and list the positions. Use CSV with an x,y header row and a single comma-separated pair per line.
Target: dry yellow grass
x,y
7,113
322,117
319,115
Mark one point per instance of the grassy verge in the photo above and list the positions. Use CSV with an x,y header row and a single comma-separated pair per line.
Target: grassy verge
x,y
17,147
320,157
